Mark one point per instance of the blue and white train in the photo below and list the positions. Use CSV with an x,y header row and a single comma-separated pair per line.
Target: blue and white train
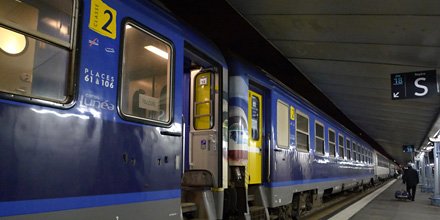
x,y
116,110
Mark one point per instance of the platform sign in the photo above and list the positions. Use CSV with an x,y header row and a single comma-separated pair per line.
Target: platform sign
x,y
414,84
408,148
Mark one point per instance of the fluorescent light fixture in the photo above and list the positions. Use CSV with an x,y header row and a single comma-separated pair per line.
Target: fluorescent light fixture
x,y
434,139
157,51
11,42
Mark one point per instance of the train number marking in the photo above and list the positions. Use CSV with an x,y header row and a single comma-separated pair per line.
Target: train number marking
x,y
102,19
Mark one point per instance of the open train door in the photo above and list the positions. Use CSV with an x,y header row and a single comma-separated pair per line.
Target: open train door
x,y
204,148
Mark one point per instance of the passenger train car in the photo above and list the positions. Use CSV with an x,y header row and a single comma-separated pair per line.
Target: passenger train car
x,y
117,110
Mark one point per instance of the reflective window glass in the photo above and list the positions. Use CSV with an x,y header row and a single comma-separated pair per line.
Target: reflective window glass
x,y
255,118
302,132
146,76
341,146
331,143
35,48
319,138
282,125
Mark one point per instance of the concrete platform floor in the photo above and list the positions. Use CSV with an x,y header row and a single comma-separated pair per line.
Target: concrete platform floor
x,y
381,204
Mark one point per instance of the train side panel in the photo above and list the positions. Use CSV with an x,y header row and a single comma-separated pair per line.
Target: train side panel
x,y
87,161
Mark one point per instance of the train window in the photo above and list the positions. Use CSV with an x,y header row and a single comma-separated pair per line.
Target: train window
x,y
319,138
362,154
282,124
341,146
356,151
146,76
36,46
368,158
353,150
358,155
332,142
302,131
255,118
348,146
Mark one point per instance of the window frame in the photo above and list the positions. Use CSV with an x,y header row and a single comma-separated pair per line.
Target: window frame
x,y
69,47
329,142
259,135
348,147
362,153
354,150
286,118
341,146
323,137
304,115
172,54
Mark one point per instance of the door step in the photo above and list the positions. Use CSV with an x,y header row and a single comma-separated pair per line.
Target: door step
x,y
188,207
257,212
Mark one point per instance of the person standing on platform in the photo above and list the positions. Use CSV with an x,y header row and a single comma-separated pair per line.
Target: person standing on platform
x,y
411,178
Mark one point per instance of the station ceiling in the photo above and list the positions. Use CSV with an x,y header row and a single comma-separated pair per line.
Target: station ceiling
x,y
339,54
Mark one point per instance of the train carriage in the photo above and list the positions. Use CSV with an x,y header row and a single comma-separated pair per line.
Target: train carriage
x,y
296,154
95,106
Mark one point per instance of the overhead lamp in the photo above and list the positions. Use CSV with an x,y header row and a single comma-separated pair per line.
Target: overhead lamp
x,y
157,51
12,42
434,139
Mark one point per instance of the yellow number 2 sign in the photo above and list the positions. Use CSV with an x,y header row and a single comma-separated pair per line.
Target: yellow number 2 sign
x,y
102,19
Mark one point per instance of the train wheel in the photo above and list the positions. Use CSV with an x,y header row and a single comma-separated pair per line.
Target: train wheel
x,y
286,212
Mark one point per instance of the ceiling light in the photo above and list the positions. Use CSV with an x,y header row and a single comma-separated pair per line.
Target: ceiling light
x,y
157,51
12,42
434,139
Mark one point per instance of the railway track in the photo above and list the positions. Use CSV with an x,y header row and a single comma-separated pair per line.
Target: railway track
x,y
338,202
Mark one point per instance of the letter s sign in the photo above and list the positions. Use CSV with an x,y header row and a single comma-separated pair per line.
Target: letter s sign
x,y
418,85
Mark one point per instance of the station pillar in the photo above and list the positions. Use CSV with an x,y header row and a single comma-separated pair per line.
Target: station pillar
x,y
435,200
422,171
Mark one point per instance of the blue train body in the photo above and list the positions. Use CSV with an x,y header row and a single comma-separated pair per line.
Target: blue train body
x,y
84,157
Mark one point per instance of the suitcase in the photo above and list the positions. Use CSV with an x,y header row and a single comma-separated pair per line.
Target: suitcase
x,y
401,194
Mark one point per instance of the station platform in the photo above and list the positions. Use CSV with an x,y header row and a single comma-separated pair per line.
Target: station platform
x,y
381,204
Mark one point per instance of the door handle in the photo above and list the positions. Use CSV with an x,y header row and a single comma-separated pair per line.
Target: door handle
x,y
171,133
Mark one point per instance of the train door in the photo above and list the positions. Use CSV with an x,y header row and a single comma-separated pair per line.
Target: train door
x,y
255,131
203,147
204,141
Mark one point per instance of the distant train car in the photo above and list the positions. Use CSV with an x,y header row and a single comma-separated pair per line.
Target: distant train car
x,y
383,167
295,153
116,110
